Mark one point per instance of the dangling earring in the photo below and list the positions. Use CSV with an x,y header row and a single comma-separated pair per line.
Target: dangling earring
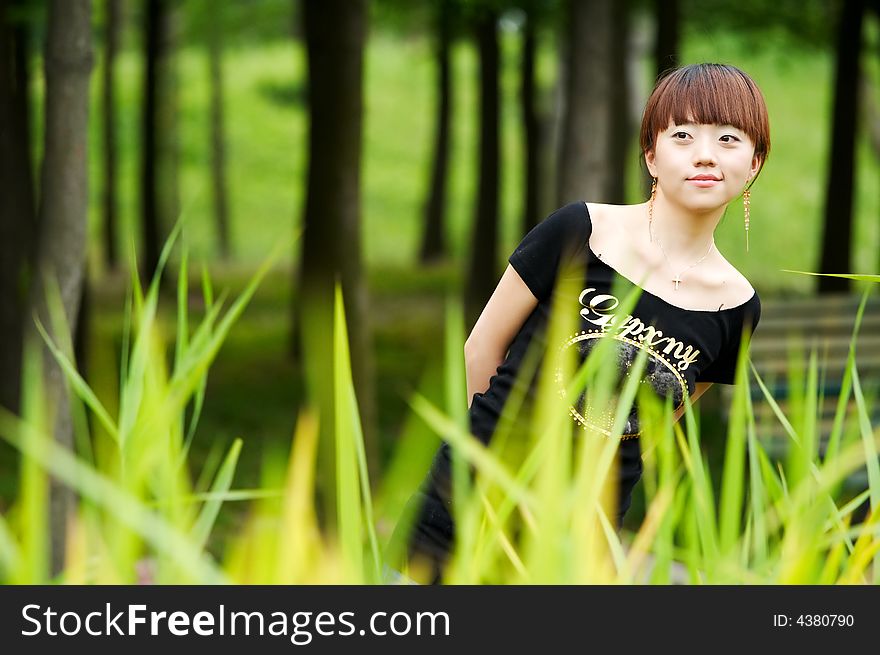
x,y
651,207
747,201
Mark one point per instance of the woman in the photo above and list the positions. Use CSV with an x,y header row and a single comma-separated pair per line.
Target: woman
x,y
705,137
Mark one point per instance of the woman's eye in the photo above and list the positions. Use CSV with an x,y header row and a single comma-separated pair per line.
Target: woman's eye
x,y
731,137
677,134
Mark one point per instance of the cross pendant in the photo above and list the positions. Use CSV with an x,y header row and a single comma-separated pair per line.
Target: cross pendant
x,y
677,281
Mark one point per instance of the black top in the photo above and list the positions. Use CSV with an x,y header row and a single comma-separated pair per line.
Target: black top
x,y
684,346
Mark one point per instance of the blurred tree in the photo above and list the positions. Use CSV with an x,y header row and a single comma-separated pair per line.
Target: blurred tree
x,y
218,144
433,246
666,46
621,128
536,122
331,241
17,212
836,256
406,18
113,21
159,192
535,19
530,118
595,129
482,275
63,209
803,24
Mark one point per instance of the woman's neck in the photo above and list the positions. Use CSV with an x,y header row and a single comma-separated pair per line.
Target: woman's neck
x,y
684,233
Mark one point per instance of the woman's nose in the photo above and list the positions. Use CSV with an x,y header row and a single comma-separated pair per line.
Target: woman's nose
x,y
704,153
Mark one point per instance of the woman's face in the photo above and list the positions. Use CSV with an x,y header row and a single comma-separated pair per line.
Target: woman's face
x,y
687,152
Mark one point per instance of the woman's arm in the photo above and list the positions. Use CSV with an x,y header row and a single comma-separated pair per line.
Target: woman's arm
x,y
486,348
698,391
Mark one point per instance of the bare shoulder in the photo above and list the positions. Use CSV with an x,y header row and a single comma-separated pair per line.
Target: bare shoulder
x,y
607,221
728,282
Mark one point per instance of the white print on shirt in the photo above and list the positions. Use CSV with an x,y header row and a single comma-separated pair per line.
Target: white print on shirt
x,y
600,307
667,359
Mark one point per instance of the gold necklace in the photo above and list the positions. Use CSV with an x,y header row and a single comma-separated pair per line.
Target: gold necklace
x,y
677,279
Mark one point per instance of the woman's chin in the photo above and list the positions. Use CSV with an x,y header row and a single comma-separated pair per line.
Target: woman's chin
x,y
706,204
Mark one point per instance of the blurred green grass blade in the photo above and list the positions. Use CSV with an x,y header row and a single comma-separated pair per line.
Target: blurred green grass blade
x,y
664,547
628,395
770,476
200,341
703,503
79,385
105,493
208,515
850,276
848,509
353,483
137,296
733,471
202,337
199,357
809,464
207,287
758,497
618,554
182,343
63,344
523,477
774,406
465,514
690,535
10,553
199,401
231,495
456,403
167,247
455,378
209,468
198,404
474,451
182,309
867,431
809,427
132,387
124,353
834,438
33,498
410,459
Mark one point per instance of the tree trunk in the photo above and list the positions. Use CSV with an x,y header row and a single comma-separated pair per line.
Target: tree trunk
x,y
482,275
837,229
667,43
17,213
433,242
331,239
108,124
531,128
618,144
584,172
218,144
583,168
159,170
63,211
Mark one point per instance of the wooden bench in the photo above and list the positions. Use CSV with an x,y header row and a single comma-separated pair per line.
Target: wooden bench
x,y
790,328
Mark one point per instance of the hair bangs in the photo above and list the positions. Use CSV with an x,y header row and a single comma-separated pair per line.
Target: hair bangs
x,y
707,94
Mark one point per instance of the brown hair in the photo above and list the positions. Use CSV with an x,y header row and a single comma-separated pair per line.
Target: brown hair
x,y
716,94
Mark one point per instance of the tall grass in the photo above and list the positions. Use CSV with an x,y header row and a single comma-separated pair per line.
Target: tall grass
x,y
534,506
